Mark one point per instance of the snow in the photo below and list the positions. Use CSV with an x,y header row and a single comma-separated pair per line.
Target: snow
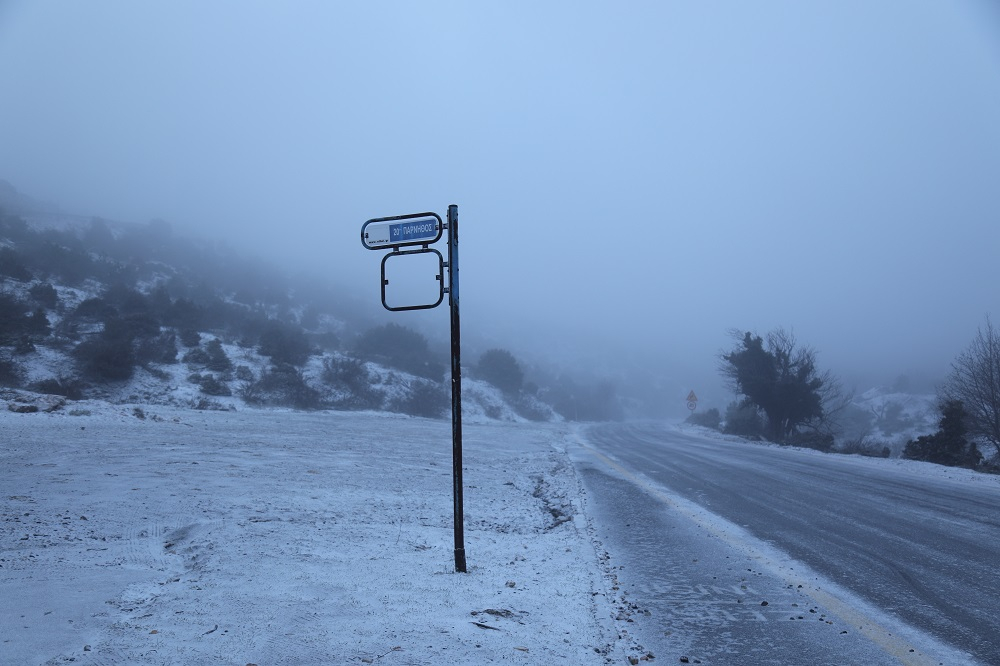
x,y
160,535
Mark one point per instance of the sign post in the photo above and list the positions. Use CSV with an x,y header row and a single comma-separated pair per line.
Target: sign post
x,y
422,230
692,401
456,388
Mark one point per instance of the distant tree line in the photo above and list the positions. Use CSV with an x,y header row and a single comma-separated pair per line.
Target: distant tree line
x,y
783,397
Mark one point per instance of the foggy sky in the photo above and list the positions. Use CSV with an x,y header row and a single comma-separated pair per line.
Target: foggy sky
x,y
632,178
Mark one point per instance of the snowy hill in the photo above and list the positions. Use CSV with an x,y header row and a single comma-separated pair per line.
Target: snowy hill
x,y
132,314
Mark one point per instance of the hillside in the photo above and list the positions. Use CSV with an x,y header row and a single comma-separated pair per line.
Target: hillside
x,y
132,313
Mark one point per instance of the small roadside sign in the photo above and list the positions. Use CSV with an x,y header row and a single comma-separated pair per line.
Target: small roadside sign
x,y
401,231
692,401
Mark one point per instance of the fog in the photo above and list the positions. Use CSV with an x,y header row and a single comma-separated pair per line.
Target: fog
x,y
633,179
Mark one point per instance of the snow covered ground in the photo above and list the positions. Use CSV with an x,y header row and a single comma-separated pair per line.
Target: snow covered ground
x,y
160,535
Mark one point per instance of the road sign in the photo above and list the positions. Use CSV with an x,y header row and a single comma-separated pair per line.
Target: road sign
x,y
401,231
393,233
692,401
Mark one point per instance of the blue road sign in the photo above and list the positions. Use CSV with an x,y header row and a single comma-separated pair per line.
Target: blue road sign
x,y
401,231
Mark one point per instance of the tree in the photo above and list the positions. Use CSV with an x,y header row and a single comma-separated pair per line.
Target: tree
x,y
781,380
500,368
975,382
949,445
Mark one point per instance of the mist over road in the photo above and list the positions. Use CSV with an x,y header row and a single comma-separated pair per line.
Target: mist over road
x,y
919,544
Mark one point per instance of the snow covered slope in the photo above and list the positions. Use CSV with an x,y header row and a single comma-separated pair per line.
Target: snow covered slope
x,y
157,535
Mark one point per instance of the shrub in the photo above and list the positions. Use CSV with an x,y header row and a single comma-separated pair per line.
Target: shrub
x,y
11,265
95,309
352,379
743,419
949,445
811,440
11,373
211,385
285,344
217,359
244,373
190,337
105,359
501,369
529,407
401,348
424,398
14,318
281,385
710,418
64,386
161,349
861,446
45,294
197,356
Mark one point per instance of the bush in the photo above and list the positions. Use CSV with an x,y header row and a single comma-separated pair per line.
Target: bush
x,y
949,445
285,344
211,385
11,373
161,349
501,369
401,348
811,440
105,359
743,419
281,385
529,407
861,446
45,294
15,320
96,309
424,398
197,356
709,419
244,373
190,337
66,387
217,359
352,379
11,265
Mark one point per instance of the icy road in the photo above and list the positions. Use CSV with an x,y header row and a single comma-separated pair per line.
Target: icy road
x,y
749,553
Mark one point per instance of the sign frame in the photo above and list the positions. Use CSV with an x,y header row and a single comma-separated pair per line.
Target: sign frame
x,y
440,280
400,220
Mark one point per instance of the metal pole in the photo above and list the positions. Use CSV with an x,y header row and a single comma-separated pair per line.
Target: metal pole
x,y
456,388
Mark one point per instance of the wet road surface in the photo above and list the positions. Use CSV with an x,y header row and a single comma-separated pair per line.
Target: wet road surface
x,y
752,554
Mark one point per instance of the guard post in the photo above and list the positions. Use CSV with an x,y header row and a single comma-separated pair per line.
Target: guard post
x,y
421,230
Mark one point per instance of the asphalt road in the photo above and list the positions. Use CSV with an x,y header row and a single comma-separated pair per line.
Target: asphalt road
x,y
921,551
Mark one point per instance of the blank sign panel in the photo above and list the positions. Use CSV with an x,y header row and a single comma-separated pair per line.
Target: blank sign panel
x,y
412,280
